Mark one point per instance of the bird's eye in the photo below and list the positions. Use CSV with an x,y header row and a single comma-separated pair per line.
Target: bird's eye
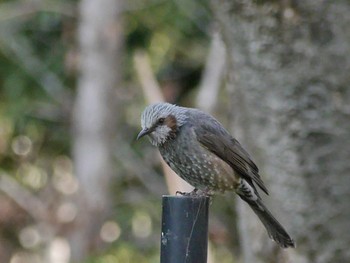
x,y
161,121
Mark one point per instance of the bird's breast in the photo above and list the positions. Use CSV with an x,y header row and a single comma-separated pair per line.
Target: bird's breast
x,y
196,165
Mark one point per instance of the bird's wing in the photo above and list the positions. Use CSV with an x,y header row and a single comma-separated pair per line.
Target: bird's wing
x,y
218,141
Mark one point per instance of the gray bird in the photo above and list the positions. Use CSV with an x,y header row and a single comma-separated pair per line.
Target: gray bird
x,y
199,149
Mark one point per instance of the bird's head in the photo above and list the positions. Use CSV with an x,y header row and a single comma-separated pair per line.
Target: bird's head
x,y
161,122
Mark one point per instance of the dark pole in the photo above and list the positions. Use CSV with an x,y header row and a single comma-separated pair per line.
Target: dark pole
x,y
184,237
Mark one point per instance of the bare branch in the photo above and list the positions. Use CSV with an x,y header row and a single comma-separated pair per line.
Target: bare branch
x,y
146,77
212,76
24,198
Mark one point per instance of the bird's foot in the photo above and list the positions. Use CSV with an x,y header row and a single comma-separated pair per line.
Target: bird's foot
x,y
197,192
192,193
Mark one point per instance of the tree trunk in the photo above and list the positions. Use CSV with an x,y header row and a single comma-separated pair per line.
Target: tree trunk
x,y
289,64
95,118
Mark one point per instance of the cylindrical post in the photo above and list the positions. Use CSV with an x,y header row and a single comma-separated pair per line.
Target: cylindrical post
x,y
184,235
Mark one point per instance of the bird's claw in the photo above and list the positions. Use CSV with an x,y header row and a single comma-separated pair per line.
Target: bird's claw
x,y
192,193
196,193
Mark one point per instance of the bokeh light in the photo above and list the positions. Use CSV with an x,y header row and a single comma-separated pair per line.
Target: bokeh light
x,y
63,179
26,257
110,231
29,237
66,212
32,175
59,251
141,224
21,145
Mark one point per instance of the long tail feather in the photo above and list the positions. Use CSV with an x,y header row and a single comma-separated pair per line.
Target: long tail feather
x,y
274,229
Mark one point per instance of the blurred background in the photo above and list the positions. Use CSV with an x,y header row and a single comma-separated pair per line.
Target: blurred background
x,y
75,77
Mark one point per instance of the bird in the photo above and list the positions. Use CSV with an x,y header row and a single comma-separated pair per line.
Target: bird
x,y
201,151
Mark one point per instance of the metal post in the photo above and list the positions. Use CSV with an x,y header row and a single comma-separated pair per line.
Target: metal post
x,y
184,237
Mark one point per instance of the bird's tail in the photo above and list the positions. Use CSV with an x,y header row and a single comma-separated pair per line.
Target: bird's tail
x,y
273,227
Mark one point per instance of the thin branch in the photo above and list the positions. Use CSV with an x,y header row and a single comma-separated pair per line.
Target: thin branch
x,y
24,198
149,84
212,76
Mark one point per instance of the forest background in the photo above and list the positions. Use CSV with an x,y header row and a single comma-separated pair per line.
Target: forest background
x,y
75,77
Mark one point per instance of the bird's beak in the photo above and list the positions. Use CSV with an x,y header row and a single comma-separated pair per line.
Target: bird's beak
x,y
144,132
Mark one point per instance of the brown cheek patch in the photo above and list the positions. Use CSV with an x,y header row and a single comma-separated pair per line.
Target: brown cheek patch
x,y
170,121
